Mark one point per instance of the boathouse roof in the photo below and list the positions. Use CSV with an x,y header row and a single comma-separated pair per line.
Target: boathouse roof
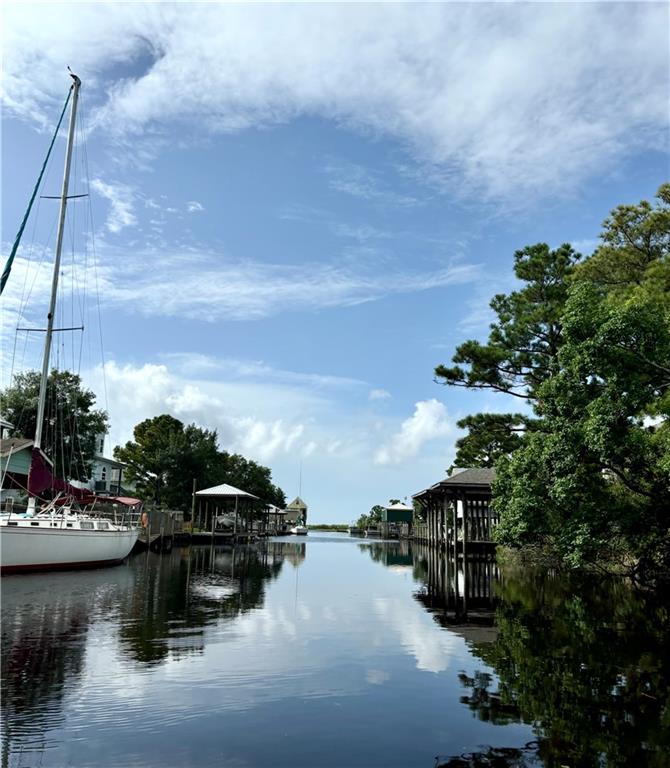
x,y
399,506
472,476
225,490
297,503
474,479
13,445
16,454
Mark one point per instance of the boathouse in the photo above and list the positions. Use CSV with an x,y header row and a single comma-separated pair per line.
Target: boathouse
x,y
296,512
458,510
224,506
396,520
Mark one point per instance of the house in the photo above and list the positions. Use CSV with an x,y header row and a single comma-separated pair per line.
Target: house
x,y
296,512
15,459
106,473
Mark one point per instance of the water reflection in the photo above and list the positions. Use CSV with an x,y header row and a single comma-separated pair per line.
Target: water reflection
x,y
264,656
159,605
584,659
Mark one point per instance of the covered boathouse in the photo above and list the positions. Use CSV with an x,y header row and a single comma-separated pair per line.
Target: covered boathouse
x,y
458,511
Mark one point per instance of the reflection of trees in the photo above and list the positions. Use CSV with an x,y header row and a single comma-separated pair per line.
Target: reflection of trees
x,y
389,552
160,604
494,757
45,623
182,593
588,662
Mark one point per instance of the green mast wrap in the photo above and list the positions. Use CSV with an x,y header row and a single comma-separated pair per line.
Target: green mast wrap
x,y
15,247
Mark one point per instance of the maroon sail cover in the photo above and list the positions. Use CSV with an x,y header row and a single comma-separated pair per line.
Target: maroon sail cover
x,y
41,479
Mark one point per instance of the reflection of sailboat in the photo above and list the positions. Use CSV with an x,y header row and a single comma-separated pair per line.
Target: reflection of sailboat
x,y
61,535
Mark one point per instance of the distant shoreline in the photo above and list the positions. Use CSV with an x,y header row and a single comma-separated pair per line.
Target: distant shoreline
x,y
343,527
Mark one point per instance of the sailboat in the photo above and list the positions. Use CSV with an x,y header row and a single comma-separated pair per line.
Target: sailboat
x,y
70,529
299,529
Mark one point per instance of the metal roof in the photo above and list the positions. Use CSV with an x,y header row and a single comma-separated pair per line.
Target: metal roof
x,y
472,476
13,445
400,506
225,490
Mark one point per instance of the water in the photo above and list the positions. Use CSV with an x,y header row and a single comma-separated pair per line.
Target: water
x,y
330,652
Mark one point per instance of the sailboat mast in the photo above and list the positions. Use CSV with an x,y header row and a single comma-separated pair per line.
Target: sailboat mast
x,y
59,246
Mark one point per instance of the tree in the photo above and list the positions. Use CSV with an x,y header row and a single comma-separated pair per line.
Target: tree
x,y
373,517
165,457
249,476
71,423
597,476
490,437
523,344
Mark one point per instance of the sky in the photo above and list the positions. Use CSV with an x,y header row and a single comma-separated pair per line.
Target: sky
x,y
296,211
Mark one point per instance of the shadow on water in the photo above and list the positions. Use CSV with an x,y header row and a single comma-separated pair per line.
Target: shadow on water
x,y
583,659
159,605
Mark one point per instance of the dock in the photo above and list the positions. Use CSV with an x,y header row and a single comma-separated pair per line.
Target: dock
x,y
459,516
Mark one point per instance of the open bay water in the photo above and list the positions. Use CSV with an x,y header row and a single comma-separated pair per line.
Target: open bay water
x,y
331,651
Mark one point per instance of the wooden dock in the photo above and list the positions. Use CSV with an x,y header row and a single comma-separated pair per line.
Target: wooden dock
x,y
459,516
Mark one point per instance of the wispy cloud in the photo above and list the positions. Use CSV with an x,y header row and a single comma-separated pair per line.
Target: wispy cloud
x,y
379,394
358,181
228,289
256,370
500,99
121,200
193,206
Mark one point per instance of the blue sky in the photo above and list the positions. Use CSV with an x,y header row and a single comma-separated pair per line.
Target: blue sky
x,y
299,210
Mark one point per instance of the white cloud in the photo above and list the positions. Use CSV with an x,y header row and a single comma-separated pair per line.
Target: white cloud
x,y
357,181
138,393
432,651
429,421
379,394
193,206
120,197
227,289
247,290
586,246
505,99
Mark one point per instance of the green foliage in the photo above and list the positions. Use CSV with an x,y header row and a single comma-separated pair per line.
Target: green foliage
x,y
589,346
490,437
165,457
596,476
373,517
586,661
71,422
523,344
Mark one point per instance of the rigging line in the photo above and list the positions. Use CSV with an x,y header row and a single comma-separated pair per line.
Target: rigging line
x,y
31,250
26,298
95,267
10,259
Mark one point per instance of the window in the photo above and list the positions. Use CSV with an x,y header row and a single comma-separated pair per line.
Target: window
x,y
103,473
103,525
86,526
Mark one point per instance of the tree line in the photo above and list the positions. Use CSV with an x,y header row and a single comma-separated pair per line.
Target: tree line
x,y
584,343
162,460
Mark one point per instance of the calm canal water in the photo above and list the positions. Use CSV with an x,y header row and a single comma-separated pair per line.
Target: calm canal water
x,y
330,651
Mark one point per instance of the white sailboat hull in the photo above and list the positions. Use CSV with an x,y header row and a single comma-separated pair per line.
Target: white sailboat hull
x,y
30,549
